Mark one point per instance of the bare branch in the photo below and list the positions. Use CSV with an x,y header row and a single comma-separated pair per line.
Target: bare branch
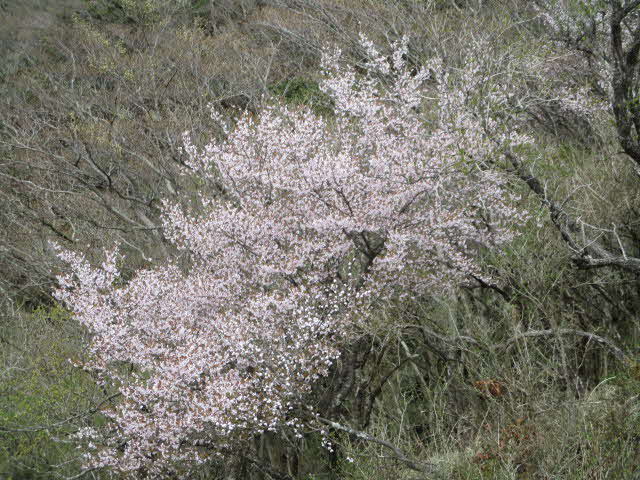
x,y
52,426
593,254
616,351
413,464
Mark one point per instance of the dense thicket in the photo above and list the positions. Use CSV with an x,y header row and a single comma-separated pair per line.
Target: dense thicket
x,y
524,366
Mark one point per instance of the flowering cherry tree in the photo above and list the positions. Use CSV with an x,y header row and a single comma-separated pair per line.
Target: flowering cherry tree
x,y
319,217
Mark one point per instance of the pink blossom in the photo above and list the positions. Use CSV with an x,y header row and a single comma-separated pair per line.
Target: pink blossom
x,y
397,181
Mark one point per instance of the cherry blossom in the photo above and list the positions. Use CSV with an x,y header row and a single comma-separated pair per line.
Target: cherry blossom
x,y
320,217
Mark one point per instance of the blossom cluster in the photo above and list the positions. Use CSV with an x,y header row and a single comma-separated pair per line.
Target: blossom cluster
x,y
319,216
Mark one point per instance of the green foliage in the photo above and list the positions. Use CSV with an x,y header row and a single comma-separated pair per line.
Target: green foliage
x,y
301,91
109,11
40,392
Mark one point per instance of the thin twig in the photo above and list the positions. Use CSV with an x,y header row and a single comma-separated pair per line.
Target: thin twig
x,y
62,422
427,468
616,351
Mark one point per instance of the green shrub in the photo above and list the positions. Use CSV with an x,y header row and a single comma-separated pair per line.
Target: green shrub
x,y
300,91
43,397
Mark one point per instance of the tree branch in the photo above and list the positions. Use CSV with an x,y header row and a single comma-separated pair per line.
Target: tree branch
x,y
616,351
40,428
426,468
593,254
